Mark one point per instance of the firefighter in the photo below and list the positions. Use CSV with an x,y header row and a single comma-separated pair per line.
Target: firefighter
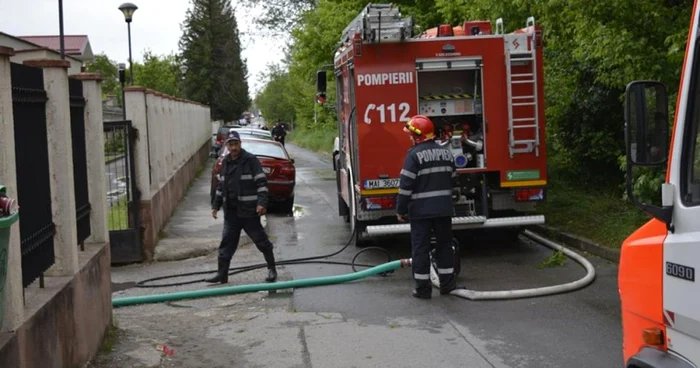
x,y
425,200
278,132
242,191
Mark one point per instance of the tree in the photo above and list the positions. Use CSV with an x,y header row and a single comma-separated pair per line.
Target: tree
x,y
211,49
160,73
110,74
274,99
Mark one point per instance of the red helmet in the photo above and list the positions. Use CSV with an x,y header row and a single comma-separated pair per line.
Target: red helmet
x,y
421,128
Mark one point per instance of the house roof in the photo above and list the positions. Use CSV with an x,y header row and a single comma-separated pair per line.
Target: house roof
x,y
74,44
32,47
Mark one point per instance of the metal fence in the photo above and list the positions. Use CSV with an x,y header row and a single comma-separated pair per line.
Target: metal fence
x,y
122,196
37,229
80,177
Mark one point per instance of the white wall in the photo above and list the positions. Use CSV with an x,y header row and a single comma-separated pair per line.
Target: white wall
x,y
171,130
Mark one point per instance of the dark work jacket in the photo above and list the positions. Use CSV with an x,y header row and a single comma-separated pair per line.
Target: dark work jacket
x,y
425,187
242,185
279,130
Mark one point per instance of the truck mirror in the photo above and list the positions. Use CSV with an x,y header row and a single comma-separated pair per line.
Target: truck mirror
x,y
321,81
646,123
646,140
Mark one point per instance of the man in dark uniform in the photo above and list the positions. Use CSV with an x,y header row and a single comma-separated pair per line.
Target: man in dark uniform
x,y
425,199
242,191
279,131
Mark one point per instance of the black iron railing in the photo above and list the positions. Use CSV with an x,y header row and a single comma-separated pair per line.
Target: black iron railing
x,y
80,178
37,229
124,223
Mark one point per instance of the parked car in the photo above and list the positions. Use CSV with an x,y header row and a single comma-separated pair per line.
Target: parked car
x,y
255,133
277,165
219,138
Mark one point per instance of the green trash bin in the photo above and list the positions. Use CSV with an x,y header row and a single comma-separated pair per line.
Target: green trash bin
x,y
5,225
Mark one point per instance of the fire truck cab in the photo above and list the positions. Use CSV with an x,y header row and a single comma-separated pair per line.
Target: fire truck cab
x,y
482,88
659,293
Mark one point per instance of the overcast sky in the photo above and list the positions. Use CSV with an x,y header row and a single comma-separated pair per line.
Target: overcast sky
x,y
156,26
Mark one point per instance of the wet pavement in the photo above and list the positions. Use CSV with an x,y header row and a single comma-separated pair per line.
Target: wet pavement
x,y
371,322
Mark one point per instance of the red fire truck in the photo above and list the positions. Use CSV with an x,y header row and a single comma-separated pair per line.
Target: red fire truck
x,y
482,88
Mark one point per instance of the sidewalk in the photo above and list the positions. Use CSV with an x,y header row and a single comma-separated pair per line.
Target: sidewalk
x,y
191,231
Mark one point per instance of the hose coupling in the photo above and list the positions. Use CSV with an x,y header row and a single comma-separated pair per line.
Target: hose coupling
x,y
406,262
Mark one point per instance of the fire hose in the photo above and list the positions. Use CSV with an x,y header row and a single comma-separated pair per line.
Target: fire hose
x,y
382,269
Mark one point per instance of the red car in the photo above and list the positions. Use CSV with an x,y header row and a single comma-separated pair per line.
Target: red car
x,y
277,165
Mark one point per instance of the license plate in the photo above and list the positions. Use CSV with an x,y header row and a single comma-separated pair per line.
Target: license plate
x,y
267,170
381,183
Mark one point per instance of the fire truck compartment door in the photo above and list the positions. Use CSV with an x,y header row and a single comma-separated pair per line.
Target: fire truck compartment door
x,y
448,64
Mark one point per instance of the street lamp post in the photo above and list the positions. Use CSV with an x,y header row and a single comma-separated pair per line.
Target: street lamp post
x,y
122,79
60,29
128,9
183,71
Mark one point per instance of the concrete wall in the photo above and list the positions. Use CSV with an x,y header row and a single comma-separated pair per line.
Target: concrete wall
x,y
24,55
61,323
156,211
67,328
173,140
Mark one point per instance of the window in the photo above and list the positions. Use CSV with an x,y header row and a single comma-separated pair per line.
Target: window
x,y
264,149
690,157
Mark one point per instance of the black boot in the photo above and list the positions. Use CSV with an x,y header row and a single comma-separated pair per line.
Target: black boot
x,y
222,274
447,287
423,290
272,271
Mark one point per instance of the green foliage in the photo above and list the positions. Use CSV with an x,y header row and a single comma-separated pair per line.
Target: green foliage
x,y
646,186
320,140
274,101
593,49
108,68
160,73
211,49
558,258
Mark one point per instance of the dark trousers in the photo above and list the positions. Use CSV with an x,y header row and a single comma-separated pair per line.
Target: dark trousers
x,y
233,224
421,232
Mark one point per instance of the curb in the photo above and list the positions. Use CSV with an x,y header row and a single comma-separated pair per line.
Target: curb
x,y
580,243
114,159
181,254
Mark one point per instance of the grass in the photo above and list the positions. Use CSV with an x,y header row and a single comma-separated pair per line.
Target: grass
x,y
601,217
319,140
118,216
110,338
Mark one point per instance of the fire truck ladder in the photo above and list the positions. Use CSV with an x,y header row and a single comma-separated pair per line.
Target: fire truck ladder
x,y
521,52
379,23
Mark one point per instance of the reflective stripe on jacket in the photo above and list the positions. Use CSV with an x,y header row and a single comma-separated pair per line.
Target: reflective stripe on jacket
x,y
425,188
248,181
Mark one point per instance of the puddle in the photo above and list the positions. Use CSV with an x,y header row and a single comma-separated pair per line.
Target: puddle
x,y
119,286
298,212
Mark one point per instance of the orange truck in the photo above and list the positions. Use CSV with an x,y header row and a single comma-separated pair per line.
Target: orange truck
x,y
483,88
659,293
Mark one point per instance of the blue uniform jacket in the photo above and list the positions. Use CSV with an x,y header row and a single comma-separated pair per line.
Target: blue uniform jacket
x,y
427,179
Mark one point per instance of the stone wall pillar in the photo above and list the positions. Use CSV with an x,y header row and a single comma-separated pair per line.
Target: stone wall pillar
x,y
95,152
14,304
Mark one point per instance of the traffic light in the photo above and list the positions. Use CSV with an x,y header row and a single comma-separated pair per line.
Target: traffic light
x,y
321,97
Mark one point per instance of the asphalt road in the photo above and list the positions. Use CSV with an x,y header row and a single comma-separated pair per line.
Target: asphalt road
x,y
373,322
577,329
